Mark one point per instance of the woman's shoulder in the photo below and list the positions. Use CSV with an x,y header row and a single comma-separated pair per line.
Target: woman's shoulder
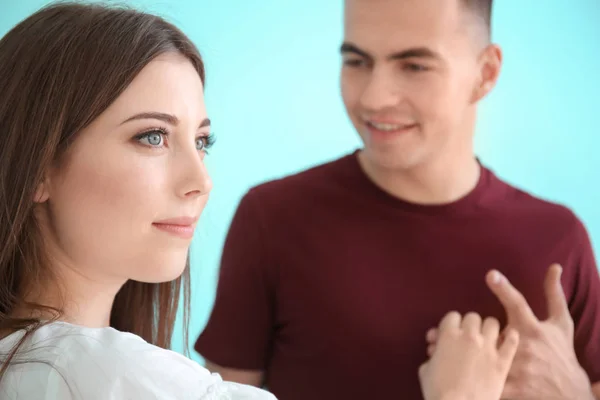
x,y
64,344
104,363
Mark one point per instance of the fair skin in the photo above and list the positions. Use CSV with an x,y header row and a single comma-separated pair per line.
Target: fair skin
x,y
413,73
469,364
122,203
545,365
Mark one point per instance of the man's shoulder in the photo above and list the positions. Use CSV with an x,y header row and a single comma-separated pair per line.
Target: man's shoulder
x,y
525,205
311,179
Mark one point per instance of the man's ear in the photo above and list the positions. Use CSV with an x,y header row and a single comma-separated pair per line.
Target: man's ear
x,y
490,64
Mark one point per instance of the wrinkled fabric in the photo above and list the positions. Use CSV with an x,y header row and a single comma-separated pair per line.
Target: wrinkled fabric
x,y
68,362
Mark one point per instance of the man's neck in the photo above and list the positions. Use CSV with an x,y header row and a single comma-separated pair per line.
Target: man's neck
x,y
432,183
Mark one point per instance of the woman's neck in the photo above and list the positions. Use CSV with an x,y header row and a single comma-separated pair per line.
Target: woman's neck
x,y
78,299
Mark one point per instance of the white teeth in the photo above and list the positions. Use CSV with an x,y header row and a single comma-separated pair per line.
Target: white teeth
x,y
386,127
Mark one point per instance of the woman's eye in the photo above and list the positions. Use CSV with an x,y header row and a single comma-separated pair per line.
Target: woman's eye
x,y
203,143
153,139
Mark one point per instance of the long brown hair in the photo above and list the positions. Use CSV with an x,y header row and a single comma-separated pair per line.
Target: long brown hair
x,y
60,69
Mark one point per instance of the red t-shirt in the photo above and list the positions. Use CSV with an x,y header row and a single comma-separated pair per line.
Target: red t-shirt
x,y
329,284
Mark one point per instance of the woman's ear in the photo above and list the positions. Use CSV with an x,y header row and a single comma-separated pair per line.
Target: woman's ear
x,y
42,194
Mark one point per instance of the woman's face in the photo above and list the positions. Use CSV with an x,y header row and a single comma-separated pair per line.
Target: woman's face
x,y
124,202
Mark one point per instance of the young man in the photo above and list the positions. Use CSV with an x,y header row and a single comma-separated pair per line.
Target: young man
x,y
330,278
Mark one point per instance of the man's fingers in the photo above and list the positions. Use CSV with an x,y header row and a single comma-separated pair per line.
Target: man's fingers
x,y
558,309
508,348
515,305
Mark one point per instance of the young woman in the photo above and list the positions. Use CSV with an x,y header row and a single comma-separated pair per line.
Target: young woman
x,y
103,132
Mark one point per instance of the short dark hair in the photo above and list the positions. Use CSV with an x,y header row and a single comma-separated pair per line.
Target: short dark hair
x,y
483,9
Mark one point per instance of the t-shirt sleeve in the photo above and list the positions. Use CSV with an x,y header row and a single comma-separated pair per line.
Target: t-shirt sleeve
x,y
585,307
239,331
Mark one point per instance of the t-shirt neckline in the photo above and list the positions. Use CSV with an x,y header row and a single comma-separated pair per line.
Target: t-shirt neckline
x,y
466,203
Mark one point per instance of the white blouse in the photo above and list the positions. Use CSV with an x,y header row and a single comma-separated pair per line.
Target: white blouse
x,y
68,362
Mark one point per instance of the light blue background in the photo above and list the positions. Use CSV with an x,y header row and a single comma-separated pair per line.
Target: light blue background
x,y
273,96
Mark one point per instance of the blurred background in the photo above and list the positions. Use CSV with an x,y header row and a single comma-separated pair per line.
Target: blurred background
x,y
273,97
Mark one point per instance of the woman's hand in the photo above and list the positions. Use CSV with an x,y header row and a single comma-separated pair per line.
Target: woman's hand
x,y
468,362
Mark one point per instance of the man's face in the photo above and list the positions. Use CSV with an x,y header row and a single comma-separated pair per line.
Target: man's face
x,y
412,73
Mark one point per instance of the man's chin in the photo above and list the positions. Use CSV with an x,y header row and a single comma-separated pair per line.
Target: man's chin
x,y
388,159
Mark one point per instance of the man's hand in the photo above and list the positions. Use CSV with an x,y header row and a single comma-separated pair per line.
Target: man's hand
x,y
467,363
545,366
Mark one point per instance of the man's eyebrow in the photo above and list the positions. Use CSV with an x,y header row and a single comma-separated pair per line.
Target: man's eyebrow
x,y
415,52
349,48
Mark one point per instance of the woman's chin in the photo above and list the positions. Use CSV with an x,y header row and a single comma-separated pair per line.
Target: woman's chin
x,y
161,269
